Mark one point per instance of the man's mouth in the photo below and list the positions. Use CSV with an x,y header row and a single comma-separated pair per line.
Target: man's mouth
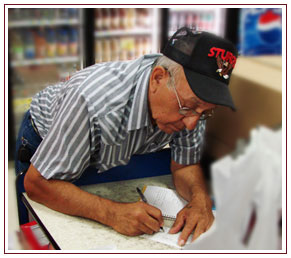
x,y
174,128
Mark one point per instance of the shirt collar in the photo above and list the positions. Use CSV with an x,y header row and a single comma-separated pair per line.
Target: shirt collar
x,y
139,114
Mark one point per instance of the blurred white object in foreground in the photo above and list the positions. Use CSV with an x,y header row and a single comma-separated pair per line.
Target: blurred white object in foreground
x,y
248,196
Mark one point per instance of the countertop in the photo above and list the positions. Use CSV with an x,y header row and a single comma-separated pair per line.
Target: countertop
x,y
75,233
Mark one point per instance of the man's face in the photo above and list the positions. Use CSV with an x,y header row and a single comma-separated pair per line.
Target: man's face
x,y
164,104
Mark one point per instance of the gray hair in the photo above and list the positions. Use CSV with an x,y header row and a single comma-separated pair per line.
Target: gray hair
x,y
173,68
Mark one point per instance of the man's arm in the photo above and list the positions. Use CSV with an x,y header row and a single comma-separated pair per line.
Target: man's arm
x,y
197,215
127,218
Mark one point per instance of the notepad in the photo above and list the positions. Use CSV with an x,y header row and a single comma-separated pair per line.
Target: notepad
x,y
167,200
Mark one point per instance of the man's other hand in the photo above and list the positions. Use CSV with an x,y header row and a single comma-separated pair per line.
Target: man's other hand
x,y
195,217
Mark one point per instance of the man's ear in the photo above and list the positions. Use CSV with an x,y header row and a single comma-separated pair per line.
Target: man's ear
x,y
158,74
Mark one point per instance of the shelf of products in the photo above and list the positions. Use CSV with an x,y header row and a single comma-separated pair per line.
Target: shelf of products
x,y
124,48
43,45
208,19
124,33
37,23
120,33
44,61
110,19
29,17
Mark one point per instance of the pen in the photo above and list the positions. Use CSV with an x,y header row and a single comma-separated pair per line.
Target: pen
x,y
144,200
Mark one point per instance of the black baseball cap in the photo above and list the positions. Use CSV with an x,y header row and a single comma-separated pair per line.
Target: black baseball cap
x,y
208,61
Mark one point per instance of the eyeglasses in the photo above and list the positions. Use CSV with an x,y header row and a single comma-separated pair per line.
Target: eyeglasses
x,y
185,111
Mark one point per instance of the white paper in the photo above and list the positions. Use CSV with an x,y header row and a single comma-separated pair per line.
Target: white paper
x,y
172,239
167,200
166,238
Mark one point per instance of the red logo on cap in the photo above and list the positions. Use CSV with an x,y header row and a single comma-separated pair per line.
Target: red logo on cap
x,y
225,61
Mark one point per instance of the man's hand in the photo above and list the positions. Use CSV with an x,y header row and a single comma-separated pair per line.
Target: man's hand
x,y
196,216
137,218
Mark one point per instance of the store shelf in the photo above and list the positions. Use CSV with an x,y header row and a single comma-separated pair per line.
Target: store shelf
x,y
118,33
37,23
43,61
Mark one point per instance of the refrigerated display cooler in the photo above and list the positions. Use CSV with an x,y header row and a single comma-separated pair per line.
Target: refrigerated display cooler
x,y
45,46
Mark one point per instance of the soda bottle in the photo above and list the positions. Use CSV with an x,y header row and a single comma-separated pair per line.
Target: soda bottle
x,y
63,42
40,43
29,48
51,45
98,19
73,42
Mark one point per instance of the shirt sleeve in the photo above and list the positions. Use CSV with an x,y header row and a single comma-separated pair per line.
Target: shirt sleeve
x,y
186,146
64,153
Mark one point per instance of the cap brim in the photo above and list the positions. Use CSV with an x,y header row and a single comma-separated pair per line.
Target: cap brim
x,y
209,89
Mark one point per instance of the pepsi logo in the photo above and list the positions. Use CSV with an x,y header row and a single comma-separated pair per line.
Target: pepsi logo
x,y
270,27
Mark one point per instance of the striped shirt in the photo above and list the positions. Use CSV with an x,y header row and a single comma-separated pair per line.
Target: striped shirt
x,y
100,118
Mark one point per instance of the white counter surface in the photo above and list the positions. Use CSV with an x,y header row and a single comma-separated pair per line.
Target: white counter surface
x,y
75,233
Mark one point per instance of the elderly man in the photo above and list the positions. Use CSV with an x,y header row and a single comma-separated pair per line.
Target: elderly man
x,y
108,112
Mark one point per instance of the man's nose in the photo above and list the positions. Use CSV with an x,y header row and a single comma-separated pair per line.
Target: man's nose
x,y
190,122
